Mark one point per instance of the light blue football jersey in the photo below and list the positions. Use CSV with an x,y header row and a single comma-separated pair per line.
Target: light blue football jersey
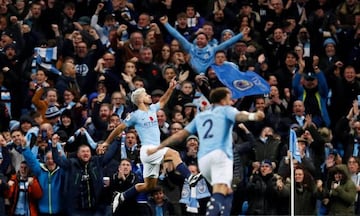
x,y
146,124
214,128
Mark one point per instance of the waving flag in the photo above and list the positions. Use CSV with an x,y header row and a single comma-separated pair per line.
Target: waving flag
x,y
241,83
45,57
293,146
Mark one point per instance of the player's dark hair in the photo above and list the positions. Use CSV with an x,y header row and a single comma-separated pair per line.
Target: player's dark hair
x,y
218,94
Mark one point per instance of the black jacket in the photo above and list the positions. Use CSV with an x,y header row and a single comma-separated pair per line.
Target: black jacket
x,y
79,175
263,195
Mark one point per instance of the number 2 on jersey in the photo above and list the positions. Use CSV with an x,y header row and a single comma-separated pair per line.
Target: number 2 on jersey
x,y
209,124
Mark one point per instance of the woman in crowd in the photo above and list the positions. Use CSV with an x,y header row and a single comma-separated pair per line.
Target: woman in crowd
x,y
306,192
353,166
164,57
341,191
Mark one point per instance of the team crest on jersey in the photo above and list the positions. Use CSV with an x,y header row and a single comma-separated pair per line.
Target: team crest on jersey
x,y
242,85
151,118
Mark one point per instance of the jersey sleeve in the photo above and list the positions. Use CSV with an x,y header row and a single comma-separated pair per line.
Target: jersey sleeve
x,y
231,112
183,41
191,127
130,119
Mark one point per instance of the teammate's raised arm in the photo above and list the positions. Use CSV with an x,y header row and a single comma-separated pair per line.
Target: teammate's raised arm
x,y
247,116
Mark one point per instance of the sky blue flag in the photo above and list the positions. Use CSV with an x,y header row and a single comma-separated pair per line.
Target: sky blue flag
x,y
241,83
45,57
293,146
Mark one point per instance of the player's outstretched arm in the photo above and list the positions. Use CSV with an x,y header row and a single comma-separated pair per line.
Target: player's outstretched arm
x,y
165,98
174,139
247,116
118,130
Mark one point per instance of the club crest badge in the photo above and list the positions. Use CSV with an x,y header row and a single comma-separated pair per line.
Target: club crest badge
x,y
242,85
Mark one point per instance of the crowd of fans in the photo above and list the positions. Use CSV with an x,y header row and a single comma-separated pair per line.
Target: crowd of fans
x,y
68,68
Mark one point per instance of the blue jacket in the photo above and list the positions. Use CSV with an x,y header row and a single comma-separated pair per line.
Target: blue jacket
x,y
322,95
73,178
201,58
51,183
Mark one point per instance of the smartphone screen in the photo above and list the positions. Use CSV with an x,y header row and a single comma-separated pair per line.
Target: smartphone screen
x,y
44,135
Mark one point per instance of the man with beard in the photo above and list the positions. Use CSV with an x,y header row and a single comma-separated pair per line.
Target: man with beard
x,y
130,50
84,179
100,118
149,71
310,86
51,179
85,60
107,67
33,19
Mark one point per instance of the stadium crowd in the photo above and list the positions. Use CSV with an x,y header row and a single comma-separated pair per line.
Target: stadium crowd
x,y
68,69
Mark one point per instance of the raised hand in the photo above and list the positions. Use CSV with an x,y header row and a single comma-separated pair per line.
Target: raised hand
x,y
99,7
260,115
164,20
245,31
173,83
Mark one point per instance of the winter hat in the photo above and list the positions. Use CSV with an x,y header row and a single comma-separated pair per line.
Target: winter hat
x,y
84,20
192,137
8,33
267,162
329,41
11,45
52,112
227,30
13,124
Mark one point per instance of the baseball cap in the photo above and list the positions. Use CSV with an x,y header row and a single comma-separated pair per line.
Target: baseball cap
x,y
157,92
310,76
